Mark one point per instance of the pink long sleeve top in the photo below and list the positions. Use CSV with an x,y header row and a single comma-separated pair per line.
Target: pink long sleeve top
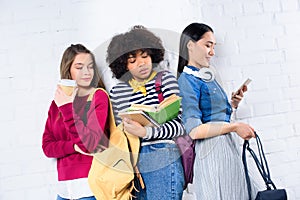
x,y
65,127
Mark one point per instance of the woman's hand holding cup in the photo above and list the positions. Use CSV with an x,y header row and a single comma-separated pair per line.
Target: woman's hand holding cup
x,y
65,92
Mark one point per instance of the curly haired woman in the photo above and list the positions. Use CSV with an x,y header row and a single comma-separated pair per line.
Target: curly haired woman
x,y
132,57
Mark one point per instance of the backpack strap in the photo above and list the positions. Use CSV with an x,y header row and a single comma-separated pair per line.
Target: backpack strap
x,y
112,124
88,105
158,82
133,140
90,98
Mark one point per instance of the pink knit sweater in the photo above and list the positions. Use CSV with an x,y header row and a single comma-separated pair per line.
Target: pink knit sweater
x,y
64,128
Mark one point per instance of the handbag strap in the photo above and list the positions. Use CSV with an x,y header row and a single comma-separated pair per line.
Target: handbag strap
x,y
158,81
261,164
246,168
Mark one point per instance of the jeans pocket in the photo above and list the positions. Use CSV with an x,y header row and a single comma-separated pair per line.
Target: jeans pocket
x,y
162,171
157,156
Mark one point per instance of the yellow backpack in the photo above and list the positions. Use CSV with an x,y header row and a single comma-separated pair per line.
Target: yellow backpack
x,y
113,170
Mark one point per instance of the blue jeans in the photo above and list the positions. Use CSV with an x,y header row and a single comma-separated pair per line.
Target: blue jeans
x,y
161,168
83,198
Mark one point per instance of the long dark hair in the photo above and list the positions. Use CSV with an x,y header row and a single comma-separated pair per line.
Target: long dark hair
x,y
193,32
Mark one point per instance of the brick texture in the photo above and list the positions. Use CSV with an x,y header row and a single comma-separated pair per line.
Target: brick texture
x,y
256,39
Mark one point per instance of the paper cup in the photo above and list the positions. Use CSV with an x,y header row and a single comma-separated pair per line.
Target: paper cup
x,y
67,85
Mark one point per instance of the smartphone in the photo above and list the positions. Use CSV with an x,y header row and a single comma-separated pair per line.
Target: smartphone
x,y
242,86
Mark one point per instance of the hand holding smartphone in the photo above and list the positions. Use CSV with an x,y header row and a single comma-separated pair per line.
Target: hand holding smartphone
x,y
243,87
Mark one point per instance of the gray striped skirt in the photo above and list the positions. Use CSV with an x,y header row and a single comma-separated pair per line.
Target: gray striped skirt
x,y
219,172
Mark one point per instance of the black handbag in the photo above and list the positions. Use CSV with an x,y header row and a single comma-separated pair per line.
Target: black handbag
x,y
271,193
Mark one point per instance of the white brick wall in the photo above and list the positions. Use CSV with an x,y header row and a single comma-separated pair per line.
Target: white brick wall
x,y
257,39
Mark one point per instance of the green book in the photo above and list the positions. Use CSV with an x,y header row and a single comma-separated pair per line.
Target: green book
x,y
149,115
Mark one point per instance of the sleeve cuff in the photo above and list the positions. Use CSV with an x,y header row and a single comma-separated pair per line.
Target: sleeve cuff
x,y
192,123
149,133
69,148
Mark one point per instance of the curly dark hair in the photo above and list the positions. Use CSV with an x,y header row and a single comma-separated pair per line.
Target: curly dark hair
x,y
129,43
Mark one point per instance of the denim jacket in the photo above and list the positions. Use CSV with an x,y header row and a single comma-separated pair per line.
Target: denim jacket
x,y
202,101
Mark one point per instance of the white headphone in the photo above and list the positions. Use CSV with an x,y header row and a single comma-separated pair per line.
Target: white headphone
x,y
207,74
